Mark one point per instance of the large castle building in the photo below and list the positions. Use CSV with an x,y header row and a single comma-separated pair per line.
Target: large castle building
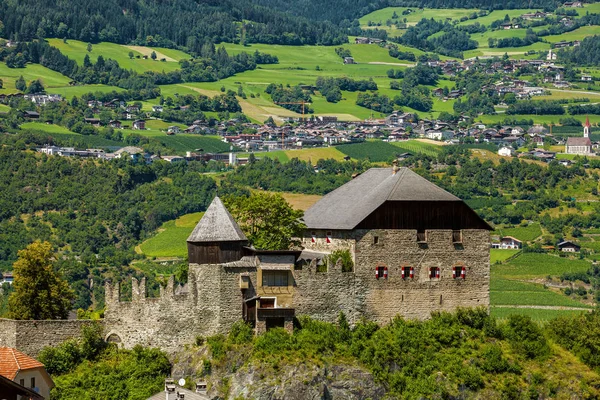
x,y
415,249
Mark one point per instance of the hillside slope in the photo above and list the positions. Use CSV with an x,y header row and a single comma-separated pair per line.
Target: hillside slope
x,y
180,22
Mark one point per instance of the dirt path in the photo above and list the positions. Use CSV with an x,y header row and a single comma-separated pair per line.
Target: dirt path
x,y
389,63
546,307
575,91
146,51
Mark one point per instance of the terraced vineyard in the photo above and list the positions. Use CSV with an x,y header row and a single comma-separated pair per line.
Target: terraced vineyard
x,y
378,151
512,292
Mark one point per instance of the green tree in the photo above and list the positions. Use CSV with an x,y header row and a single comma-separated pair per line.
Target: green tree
x,y
40,293
20,84
89,47
62,30
131,55
153,55
35,87
1,84
268,221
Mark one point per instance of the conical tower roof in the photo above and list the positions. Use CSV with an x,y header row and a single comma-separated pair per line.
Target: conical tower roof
x,y
217,225
587,121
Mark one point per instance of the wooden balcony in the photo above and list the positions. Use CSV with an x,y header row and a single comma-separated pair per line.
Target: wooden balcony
x,y
263,313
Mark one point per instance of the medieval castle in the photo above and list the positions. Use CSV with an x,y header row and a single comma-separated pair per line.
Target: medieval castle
x,y
415,249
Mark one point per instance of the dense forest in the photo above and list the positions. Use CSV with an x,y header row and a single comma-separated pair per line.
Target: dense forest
x,y
338,11
170,24
588,53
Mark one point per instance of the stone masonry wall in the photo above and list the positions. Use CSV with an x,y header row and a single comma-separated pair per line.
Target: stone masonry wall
x,y
31,337
211,305
360,294
214,300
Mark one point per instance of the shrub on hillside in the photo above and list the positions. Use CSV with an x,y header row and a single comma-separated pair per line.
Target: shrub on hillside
x,y
526,338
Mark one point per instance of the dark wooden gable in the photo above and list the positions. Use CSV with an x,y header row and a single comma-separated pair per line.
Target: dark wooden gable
x,y
423,215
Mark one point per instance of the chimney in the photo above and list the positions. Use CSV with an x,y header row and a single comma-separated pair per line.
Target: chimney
x,y
394,167
169,388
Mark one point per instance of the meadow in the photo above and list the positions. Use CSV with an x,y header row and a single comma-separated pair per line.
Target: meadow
x,y
378,151
170,241
537,315
180,143
49,78
524,233
78,50
501,255
537,265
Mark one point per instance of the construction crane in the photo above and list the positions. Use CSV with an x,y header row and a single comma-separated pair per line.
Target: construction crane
x,y
298,102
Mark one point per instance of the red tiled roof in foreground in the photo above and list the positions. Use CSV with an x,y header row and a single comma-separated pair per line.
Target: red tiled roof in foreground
x,y
12,361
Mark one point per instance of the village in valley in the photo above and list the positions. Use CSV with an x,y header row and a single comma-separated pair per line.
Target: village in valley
x,y
347,199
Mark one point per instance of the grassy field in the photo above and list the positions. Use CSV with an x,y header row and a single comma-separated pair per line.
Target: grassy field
x,y
534,265
577,34
499,255
31,72
378,151
375,151
314,155
384,14
179,143
538,315
507,292
170,241
417,147
524,233
77,50
62,133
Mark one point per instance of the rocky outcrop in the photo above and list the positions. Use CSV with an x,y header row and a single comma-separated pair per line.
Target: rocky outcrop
x,y
305,382
301,380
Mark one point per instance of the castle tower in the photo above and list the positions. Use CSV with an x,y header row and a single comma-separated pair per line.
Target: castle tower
x,y
586,128
217,238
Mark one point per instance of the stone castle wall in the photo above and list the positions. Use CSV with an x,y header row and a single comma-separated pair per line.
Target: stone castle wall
x,y
214,301
211,305
31,337
359,294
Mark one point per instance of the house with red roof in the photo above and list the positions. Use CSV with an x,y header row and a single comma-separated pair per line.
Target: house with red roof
x,y
26,371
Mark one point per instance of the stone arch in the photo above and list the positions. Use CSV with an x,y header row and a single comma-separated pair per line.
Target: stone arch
x,y
114,337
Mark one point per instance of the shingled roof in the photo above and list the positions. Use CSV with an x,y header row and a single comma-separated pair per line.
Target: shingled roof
x,y
12,361
579,141
348,205
217,225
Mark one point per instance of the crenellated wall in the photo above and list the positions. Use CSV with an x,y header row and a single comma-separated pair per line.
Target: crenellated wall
x,y
215,296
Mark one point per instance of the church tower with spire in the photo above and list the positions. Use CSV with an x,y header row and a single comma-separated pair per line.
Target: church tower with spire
x,y
586,128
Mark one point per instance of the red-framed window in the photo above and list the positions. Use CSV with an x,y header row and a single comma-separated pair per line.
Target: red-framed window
x,y
434,273
459,272
381,272
407,272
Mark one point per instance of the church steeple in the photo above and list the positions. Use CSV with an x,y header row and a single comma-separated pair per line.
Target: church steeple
x,y
586,127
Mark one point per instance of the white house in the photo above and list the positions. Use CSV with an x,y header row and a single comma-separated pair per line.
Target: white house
x,y
505,152
509,242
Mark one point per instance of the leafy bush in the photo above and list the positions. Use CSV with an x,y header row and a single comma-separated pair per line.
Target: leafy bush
x,y
240,333
345,257
69,354
526,338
